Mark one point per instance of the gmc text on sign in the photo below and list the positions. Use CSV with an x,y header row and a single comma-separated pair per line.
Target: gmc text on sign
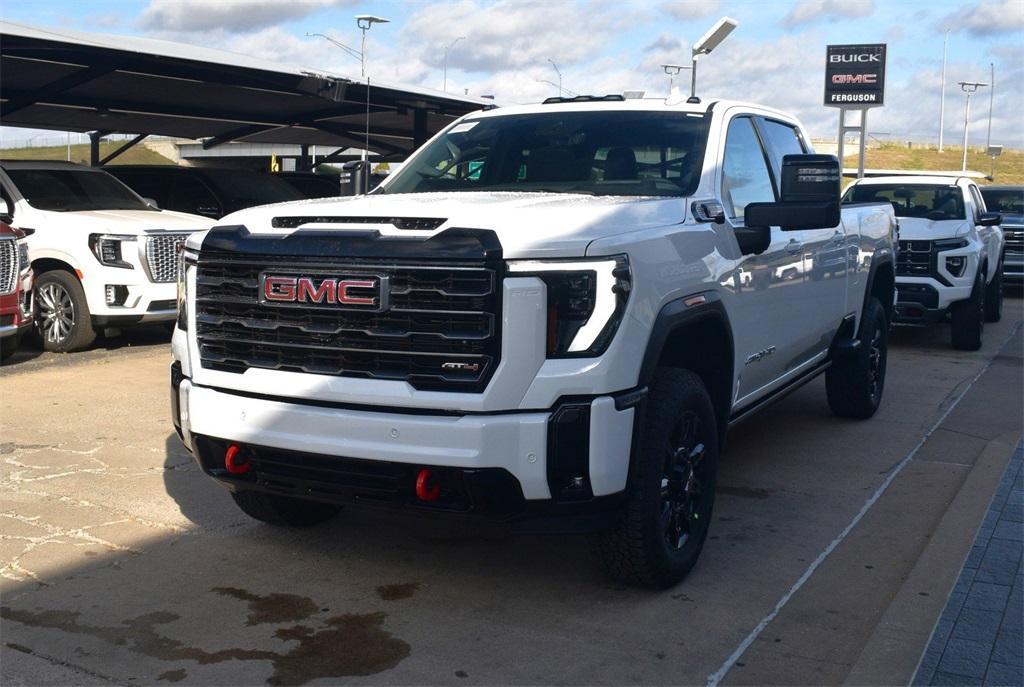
x,y
855,75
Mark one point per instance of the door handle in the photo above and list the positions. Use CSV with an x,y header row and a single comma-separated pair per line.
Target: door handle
x,y
794,246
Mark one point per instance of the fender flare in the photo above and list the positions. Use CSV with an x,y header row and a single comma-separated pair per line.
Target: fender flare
x,y
887,259
676,314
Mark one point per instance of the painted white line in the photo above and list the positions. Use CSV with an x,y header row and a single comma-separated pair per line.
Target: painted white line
x,y
716,677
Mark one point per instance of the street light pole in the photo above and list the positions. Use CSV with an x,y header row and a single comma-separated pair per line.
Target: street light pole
x,y
446,49
942,90
704,45
968,87
991,99
559,72
364,22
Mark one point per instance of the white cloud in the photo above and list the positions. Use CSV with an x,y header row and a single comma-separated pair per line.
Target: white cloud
x,y
812,10
690,9
229,15
509,35
986,18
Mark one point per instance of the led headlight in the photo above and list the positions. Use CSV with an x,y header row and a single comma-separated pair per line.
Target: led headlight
x,y
586,301
109,250
186,258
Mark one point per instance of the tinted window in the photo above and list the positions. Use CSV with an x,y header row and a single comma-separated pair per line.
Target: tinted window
x,y
1009,201
67,190
745,176
912,200
782,140
146,184
189,194
239,189
320,186
606,153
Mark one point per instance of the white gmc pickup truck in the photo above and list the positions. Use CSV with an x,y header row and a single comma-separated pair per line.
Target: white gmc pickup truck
x,y
550,317
950,252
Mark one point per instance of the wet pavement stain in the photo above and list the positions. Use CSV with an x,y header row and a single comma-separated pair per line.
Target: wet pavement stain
x,y
342,645
272,608
173,675
394,592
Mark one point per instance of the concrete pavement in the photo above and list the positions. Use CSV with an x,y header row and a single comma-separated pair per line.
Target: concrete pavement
x,y
122,563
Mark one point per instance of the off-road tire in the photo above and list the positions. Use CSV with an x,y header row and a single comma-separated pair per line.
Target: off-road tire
x,y
283,511
855,382
994,297
54,286
637,550
968,318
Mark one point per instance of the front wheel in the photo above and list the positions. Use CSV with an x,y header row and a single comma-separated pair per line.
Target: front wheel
x,y
968,318
62,313
994,297
671,487
854,383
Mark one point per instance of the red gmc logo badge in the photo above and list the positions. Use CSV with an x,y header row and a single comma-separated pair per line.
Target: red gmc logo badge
x,y
369,292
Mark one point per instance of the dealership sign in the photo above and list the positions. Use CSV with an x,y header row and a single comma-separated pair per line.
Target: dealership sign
x,y
855,75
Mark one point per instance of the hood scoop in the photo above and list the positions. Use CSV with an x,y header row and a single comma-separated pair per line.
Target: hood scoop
x,y
404,223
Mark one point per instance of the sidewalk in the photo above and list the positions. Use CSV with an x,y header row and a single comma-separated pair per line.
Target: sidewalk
x,y
978,639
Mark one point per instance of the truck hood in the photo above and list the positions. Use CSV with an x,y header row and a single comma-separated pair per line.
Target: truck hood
x,y
128,221
920,229
527,224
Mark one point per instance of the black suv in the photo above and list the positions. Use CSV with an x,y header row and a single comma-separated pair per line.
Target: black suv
x,y
204,191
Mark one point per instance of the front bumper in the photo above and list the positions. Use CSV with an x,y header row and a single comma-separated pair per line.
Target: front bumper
x,y
566,463
921,300
145,301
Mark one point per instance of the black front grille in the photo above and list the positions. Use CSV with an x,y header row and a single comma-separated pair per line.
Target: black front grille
x,y
1014,239
440,331
915,259
922,294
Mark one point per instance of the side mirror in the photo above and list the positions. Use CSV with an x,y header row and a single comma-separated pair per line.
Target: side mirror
x,y
990,219
6,218
810,196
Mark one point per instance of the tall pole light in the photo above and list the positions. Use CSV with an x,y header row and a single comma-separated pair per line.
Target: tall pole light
x,y
968,87
549,82
446,49
364,22
708,42
991,99
942,91
559,72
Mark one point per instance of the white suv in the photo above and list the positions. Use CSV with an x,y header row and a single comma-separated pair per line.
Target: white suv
x,y
102,255
950,252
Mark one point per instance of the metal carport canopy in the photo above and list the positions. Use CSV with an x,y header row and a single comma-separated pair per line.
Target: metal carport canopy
x,y
85,82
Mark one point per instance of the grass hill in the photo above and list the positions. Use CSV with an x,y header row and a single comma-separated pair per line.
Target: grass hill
x,y
136,155
1009,165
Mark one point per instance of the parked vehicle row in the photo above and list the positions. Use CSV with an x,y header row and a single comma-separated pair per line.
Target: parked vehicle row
x,y
950,260
1008,201
549,317
104,242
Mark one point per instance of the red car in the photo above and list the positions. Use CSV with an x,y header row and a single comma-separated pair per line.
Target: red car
x,y
15,290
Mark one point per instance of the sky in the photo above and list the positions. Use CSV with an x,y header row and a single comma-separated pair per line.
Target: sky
x,y
775,56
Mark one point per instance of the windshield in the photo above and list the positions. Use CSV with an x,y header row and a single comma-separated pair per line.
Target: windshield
x,y
1009,201
68,190
241,189
598,152
912,200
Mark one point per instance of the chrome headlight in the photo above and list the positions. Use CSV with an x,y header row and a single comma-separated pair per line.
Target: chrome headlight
x,y
109,249
586,301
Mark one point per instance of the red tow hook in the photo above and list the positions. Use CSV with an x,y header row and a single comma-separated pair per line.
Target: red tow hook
x,y
427,488
234,462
